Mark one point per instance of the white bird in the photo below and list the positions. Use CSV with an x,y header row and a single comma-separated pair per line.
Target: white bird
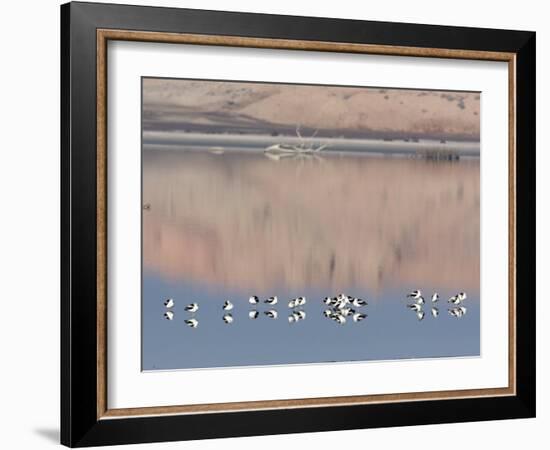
x,y
414,307
169,303
358,317
415,294
346,311
435,312
291,318
228,318
343,298
299,315
455,300
253,314
462,296
359,302
169,315
193,307
328,313
420,315
420,300
272,314
327,301
292,303
339,319
193,323
341,303
300,301
271,300
254,300
435,297
227,305
456,312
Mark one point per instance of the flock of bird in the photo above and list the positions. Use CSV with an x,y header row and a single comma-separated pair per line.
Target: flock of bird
x,y
340,308
457,310
295,304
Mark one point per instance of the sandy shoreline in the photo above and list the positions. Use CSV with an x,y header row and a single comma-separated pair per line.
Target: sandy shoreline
x,y
174,140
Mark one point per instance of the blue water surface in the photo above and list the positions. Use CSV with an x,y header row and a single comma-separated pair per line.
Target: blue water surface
x,y
391,331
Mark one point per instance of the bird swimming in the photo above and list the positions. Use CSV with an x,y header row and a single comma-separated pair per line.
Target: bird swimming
x,y
254,300
228,318
455,300
435,297
458,298
327,301
328,313
272,314
358,317
420,315
193,307
298,301
435,312
253,314
343,298
227,305
359,302
300,315
271,300
169,303
415,294
169,315
193,323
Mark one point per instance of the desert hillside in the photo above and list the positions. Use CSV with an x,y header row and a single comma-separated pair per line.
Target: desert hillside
x,y
230,107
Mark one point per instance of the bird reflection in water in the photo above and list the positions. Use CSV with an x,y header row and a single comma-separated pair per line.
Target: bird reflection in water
x,y
457,311
341,309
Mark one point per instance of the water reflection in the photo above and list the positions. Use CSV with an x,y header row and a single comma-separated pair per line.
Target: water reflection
x,y
218,227
355,220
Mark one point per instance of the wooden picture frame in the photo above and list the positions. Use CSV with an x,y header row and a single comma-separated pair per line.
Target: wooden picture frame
x,y
86,419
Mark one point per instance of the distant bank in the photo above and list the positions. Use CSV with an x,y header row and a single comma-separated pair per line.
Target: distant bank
x,y
218,143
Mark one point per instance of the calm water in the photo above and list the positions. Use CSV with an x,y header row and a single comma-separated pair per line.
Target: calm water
x,y
224,226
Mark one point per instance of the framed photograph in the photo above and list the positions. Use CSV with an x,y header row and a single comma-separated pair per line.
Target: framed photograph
x,y
276,224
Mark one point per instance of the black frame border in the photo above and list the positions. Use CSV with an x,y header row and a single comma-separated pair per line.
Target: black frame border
x,y
79,423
